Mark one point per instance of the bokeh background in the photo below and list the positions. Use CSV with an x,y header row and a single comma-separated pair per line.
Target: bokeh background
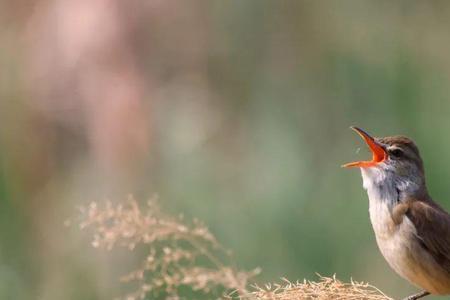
x,y
235,112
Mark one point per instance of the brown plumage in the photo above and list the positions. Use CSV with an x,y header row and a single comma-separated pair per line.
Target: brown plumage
x,y
432,224
412,231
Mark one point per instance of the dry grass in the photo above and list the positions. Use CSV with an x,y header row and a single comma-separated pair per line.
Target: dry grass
x,y
325,289
180,253
183,254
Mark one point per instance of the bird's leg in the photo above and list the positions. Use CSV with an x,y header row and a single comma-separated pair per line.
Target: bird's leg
x,y
417,296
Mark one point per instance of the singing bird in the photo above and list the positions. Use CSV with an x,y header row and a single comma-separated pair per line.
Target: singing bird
x,y
412,231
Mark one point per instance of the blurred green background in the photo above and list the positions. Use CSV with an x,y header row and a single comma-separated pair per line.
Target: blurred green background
x,y
235,112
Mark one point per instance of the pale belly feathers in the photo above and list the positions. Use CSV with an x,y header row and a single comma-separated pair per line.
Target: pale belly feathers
x,y
399,244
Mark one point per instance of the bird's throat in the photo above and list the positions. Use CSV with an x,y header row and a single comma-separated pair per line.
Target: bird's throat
x,y
380,186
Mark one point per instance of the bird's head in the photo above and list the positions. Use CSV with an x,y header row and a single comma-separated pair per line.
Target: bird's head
x,y
394,158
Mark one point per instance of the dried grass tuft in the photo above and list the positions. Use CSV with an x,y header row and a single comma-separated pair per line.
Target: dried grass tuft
x,y
179,253
325,289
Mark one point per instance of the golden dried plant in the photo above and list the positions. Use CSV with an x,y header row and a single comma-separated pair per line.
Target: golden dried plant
x,y
327,288
179,253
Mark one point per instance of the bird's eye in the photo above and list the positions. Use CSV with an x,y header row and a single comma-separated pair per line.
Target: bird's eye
x,y
396,152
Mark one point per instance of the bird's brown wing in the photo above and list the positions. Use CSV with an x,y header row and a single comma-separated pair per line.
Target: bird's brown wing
x,y
432,224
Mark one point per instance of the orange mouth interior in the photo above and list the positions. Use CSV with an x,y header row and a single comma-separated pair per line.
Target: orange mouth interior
x,y
378,152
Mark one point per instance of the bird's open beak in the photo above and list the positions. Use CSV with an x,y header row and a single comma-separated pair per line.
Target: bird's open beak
x,y
378,152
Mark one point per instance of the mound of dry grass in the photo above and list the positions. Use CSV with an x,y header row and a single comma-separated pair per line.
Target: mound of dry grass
x,y
326,288
184,254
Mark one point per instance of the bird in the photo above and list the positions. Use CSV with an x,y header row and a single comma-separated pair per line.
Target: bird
x,y
412,231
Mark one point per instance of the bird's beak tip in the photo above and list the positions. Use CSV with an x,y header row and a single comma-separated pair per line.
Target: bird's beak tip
x,y
378,152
